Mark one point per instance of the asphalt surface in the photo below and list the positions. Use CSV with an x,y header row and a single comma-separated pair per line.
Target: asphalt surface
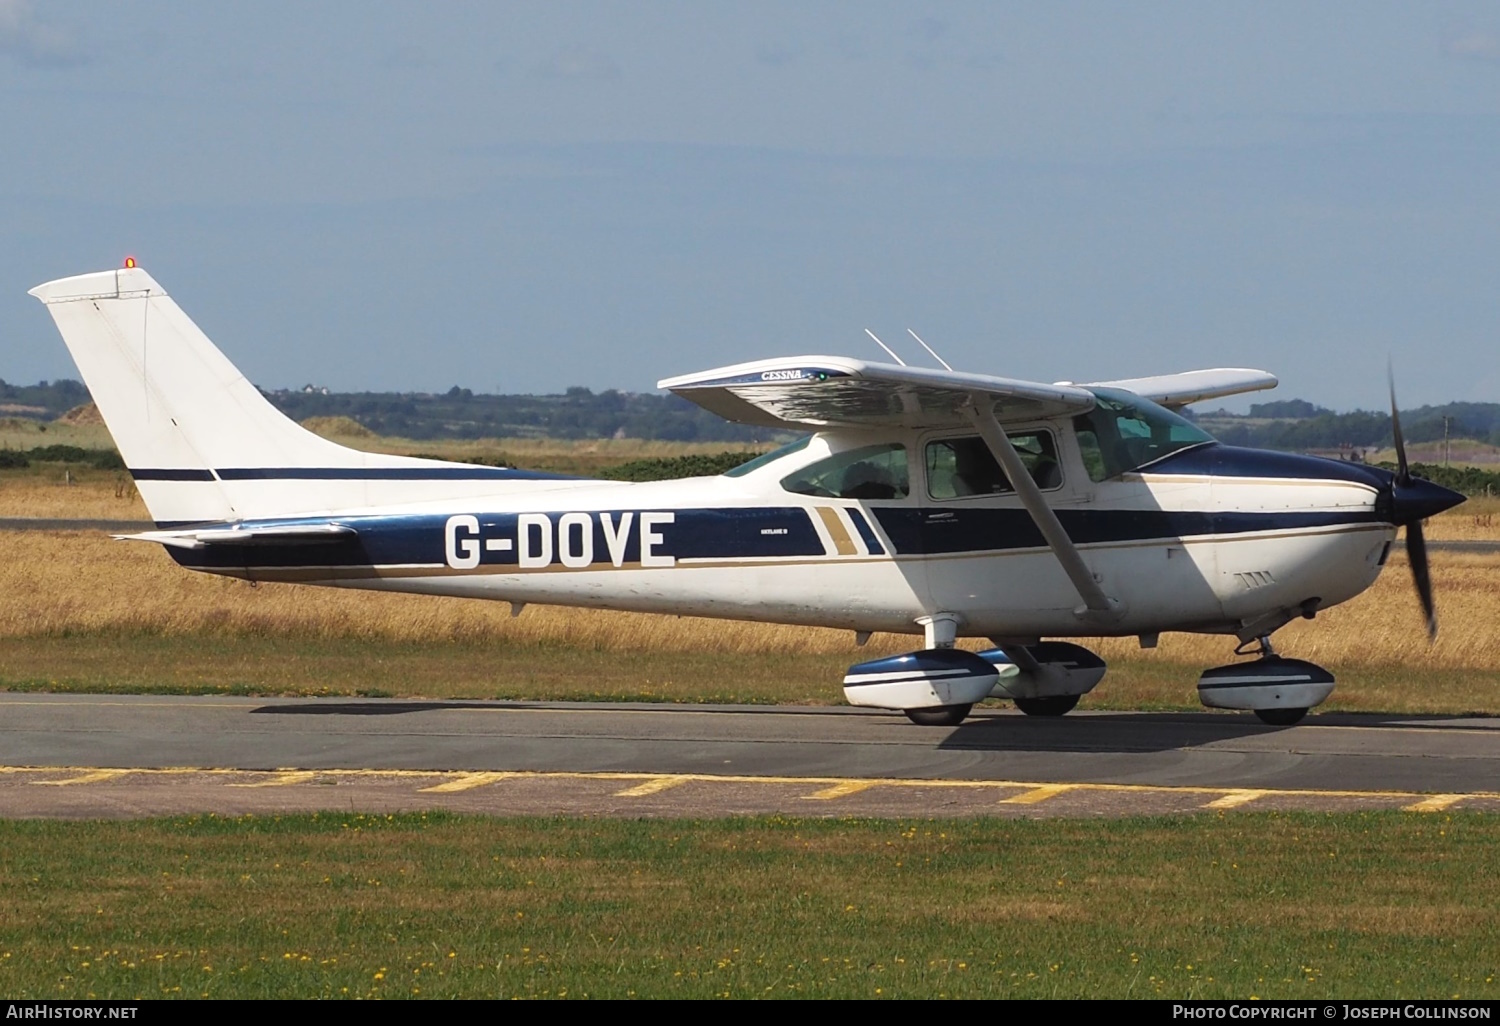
x,y
247,754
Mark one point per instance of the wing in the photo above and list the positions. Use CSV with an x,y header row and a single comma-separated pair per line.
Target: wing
x,y
1177,390
835,391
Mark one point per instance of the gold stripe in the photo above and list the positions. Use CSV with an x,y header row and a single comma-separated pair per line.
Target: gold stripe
x,y
1234,799
842,544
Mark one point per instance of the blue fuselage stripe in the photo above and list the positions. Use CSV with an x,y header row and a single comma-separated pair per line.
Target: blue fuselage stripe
x,y
866,532
618,537
475,473
171,474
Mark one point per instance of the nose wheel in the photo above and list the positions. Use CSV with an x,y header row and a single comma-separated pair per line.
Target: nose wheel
x,y
1278,690
939,715
1055,705
1280,717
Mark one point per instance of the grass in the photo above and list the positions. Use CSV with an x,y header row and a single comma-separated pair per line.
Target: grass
x,y
1303,906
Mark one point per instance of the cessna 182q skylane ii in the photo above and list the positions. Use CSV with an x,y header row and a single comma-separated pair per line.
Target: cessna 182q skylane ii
x,y
924,502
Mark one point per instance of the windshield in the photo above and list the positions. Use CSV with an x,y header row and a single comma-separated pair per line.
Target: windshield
x,y
1124,432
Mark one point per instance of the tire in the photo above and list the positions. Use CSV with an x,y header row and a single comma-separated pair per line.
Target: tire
x,y
1054,705
1280,717
939,715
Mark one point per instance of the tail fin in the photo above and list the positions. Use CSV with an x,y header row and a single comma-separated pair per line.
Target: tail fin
x,y
201,441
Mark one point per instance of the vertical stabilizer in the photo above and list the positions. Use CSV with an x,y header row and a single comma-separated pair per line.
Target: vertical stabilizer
x,y
201,441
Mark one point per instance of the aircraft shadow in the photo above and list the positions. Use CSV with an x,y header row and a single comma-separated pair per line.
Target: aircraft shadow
x,y
1151,732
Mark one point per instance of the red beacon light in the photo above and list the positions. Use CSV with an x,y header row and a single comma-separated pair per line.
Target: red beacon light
x,y
129,262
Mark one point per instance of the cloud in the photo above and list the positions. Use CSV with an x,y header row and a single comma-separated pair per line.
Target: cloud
x,y
32,41
579,64
1475,46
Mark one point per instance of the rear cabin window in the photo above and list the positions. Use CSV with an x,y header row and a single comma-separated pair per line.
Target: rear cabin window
x,y
869,472
960,467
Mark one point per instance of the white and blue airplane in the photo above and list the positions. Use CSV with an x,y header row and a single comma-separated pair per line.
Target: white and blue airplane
x,y
927,502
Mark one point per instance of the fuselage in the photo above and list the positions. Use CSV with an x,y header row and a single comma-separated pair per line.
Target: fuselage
x,y
1206,538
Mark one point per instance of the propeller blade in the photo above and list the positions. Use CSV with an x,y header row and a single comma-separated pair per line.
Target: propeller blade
x,y
1403,475
1416,554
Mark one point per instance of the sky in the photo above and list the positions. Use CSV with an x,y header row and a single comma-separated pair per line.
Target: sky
x,y
523,197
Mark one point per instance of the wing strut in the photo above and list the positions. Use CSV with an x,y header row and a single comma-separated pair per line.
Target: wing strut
x,y
1096,604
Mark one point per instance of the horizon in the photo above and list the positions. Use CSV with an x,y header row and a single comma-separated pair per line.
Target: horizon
x,y
1198,409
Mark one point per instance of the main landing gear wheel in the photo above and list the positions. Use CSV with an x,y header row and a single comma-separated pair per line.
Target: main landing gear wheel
x,y
1281,717
939,715
1055,705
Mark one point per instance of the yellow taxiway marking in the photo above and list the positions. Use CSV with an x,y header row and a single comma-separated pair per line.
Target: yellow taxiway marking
x,y
1038,794
285,778
466,782
1434,803
652,786
93,777
1031,792
840,790
1234,799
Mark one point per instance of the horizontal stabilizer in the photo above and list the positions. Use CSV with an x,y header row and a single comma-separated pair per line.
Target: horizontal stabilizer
x,y
835,391
1177,390
275,534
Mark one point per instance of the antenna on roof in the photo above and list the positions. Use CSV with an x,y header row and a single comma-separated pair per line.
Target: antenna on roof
x,y
887,348
927,347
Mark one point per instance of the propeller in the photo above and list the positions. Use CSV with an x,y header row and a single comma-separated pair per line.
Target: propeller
x,y
1412,499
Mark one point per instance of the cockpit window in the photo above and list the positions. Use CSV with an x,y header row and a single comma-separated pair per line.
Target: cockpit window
x,y
869,472
957,467
1124,432
769,457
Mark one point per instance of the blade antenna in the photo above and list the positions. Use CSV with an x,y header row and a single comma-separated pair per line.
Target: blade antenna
x,y
927,347
887,348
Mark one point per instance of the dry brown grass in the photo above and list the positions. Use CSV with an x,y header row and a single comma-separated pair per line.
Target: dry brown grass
x,y
79,611
81,582
55,582
567,456
79,493
1476,520
20,433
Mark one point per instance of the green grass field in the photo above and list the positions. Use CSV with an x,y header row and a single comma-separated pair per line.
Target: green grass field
x,y
1266,905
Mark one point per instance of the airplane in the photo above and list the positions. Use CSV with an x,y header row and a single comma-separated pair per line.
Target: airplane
x,y
920,501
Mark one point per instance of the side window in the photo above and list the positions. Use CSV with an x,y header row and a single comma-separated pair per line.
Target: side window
x,y
869,472
958,467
